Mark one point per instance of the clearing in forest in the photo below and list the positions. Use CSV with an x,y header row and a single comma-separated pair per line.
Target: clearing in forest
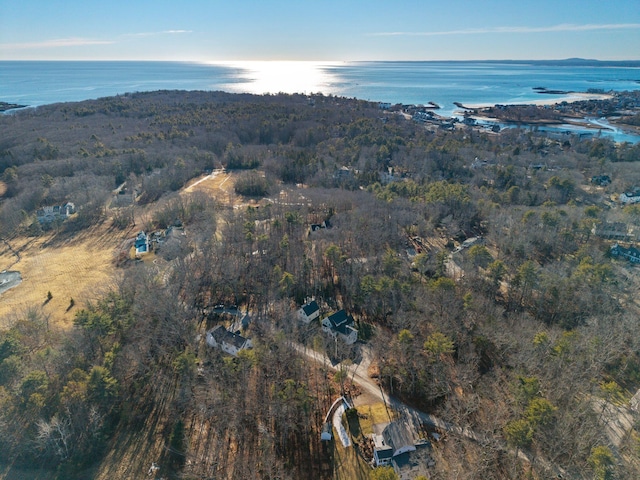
x,y
219,185
79,267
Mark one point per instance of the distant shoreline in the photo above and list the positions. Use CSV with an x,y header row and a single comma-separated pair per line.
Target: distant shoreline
x,y
582,62
37,83
569,98
4,106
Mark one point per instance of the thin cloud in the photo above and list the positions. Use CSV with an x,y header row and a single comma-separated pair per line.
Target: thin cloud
x,y
82,42
153,34
55,43
553,28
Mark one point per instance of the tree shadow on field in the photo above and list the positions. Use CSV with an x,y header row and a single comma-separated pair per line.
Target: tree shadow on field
x,y
140,440
99,236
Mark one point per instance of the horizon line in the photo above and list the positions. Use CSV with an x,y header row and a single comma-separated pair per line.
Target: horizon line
x,y
569,59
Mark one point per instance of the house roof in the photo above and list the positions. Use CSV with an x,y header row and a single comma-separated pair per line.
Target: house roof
x,y
345,330
601,178
141,239
619,226
341,323
339,319
222,335
383,450
629,252
310,308
398,436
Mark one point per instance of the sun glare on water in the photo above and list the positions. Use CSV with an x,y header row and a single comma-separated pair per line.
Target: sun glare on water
x,y
260,77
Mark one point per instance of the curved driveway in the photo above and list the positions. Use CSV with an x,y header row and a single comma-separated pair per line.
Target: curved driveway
x,y
413,414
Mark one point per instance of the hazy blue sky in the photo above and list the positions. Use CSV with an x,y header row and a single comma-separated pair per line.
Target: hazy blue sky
x,y
210,30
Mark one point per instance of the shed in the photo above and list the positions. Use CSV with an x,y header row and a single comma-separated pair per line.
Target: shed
x,y
327,432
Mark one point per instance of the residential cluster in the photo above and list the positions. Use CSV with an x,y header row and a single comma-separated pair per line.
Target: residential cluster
x,y
338,325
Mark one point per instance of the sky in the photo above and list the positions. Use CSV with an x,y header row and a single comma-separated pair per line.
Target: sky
x,y
331,30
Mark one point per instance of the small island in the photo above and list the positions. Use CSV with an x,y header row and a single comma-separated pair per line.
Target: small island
x,y
4,106
547,91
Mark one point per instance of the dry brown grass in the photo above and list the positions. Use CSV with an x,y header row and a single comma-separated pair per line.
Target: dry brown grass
x,y
219,185
374,414
3,188
348,464
79,267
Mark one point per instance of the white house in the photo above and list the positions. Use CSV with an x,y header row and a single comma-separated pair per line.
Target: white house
x,y
632,196
229,342
52,212
309,312
340,325
141,244
382,453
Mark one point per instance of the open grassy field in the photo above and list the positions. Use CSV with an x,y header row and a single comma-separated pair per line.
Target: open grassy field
x,y
348,464
79,267
374,414
220,185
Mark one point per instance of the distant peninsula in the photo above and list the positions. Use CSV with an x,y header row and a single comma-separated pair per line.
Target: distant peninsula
x,y
4,106
567,62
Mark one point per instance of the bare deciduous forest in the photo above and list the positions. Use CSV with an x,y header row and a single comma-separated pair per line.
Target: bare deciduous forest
x,y
473,264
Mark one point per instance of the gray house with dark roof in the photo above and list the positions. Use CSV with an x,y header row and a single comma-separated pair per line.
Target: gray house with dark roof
x,y
382,453
340,325
51,213
397,438
229,342
632,253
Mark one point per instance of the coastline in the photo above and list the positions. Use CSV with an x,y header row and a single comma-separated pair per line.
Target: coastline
x,y
569,98
435,86
577,111
5,106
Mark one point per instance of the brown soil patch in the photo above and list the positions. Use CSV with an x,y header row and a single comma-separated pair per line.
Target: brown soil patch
x,y
3,188
79,267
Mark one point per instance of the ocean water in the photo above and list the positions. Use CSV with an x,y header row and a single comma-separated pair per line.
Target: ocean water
x,y
36,83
